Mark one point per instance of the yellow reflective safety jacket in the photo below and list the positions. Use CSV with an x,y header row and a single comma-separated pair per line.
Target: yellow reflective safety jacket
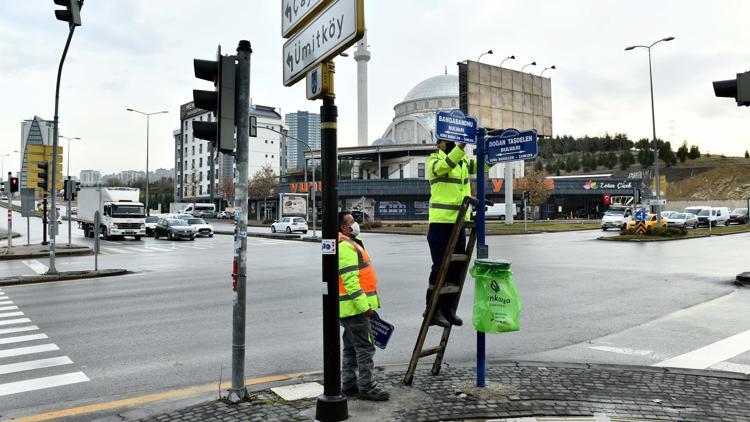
x,y
449,183
357,281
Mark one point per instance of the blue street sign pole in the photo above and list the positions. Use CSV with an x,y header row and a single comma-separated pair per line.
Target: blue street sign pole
x,y
482,249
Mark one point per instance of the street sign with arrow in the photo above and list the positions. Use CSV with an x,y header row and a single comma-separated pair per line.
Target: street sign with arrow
x,y
333,30
295,13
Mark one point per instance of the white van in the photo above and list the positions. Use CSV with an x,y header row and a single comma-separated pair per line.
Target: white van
x,y
695,210
199,207
714,216
497,211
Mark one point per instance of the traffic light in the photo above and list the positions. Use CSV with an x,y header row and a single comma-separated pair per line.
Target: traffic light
x,y
71,189
43,176
739,89
72,12
221,101
526,196
13,184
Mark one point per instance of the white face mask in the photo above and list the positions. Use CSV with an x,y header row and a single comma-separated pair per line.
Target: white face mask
x,y
354,230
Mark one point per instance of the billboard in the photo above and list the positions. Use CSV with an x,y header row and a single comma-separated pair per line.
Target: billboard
x,y
503,98
293,205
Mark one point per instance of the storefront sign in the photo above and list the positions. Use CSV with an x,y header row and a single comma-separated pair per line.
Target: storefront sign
x,y
391,208
594,185
421,207
294,205
302,187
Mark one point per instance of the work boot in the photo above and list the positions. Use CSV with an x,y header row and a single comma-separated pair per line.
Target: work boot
x,y
376,394
453,319
350,391
438,319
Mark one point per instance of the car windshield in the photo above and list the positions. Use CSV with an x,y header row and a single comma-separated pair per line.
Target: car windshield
x,y
615,212
703,213
299,220
678,216
152,219
693,211
196,221
127,211
175,222
740,211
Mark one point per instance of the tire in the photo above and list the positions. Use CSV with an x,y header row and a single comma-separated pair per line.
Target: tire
x,y
273,229
502,218
156,235
304,231
288,230
684,226
624,227
604,229
695,225
137,237
170,236
192,238
211,235
726,223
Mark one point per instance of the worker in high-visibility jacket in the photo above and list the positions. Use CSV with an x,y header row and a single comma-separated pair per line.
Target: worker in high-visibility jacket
x,y
358,299
448,171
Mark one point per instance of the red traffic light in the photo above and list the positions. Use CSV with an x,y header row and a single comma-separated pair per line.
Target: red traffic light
x,y
13,184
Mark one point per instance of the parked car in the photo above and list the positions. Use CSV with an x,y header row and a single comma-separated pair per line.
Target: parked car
x,y
713,216
695,210
201,227
666,214
498,211
151,225
225,215
289,224
616,218
682,219
204,214
739,216
172,229
650,222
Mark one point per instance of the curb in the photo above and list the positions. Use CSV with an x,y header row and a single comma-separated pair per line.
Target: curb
x,y
58,252
4,236
68,275
281,236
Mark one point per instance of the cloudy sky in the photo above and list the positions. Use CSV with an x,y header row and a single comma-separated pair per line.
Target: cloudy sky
x,y
138,53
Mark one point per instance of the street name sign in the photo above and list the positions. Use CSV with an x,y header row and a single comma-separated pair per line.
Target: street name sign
x,y
295,13
512,145
455,126
657,202
333,30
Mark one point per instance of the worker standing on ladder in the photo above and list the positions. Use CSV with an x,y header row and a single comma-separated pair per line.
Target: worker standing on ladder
x,y
448,171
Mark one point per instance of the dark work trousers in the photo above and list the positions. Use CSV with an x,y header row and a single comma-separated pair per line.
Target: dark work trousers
x,y
358,353
438,236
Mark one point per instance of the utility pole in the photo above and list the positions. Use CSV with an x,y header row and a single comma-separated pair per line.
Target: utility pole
x,y
331,405
9,191
238,392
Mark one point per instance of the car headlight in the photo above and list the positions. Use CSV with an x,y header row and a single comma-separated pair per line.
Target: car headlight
x,y
115,226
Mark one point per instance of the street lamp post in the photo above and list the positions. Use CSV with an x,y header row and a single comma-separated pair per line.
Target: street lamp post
x,y
315,188
483,54
526,65
553,67
68,165
511,57
148,119
657,208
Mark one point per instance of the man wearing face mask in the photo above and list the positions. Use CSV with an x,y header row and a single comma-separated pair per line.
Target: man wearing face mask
x,y
358,299
448,171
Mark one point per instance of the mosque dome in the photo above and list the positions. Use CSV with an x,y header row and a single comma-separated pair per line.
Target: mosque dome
x,y
434,87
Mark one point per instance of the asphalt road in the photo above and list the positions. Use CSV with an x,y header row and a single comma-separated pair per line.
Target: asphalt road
x,y
169,325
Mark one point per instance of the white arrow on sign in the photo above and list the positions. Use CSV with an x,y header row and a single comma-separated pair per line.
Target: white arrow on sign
x,y
294,13
338,26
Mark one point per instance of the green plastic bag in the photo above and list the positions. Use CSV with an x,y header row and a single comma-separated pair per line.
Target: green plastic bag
x,y
497,304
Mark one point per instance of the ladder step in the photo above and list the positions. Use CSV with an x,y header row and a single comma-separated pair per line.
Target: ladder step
x,y
459,257
430,351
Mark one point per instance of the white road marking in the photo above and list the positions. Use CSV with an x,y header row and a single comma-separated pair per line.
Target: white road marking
x,y
8,308
151,248
3,297
35,265
19,351
134,249
6,302
20,339
18,329
623,350
40,383
712,354
14,321
732,367
11,314
34,364
115,250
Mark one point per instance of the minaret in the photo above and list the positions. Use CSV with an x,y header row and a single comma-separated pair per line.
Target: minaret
x,y
362,56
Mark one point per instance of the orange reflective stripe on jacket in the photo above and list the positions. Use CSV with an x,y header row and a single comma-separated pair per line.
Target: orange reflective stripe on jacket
x,y
367,279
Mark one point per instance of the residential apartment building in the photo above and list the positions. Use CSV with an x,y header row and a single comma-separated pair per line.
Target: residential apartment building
x,y
90,177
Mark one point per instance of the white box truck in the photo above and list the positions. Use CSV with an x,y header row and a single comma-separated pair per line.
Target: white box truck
x,y
122,213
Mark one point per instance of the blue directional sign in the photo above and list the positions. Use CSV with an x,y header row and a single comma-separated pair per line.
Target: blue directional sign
x,y
455,126
512,145
640,215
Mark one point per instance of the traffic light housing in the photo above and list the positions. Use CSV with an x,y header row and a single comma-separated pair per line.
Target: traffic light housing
x,y
71,189
13,184
71,13
526,196
43,176
739,89
222,101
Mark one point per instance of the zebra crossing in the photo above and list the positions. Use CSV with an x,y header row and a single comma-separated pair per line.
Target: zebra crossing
x,y
27,358
111,248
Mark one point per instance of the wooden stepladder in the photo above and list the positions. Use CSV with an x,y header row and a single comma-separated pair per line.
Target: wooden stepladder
x,y
440,287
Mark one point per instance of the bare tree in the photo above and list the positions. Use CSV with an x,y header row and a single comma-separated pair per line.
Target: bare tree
x,y
263,184
193,184
226,189
538,186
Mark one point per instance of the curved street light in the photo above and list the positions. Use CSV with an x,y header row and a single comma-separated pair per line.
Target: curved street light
x,y
553,67
483,54
68,165
511,57
526,65
148,117
653,120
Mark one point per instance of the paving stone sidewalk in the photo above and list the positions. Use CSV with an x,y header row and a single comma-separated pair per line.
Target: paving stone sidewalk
x,y
517,390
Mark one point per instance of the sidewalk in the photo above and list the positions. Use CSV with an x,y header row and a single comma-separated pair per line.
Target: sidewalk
x,y
516,390
38,250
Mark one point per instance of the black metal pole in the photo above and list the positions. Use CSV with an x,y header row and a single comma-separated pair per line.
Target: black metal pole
x,y
44,220
332,405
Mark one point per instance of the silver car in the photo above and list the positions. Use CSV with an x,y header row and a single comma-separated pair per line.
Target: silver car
x,y
682,219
